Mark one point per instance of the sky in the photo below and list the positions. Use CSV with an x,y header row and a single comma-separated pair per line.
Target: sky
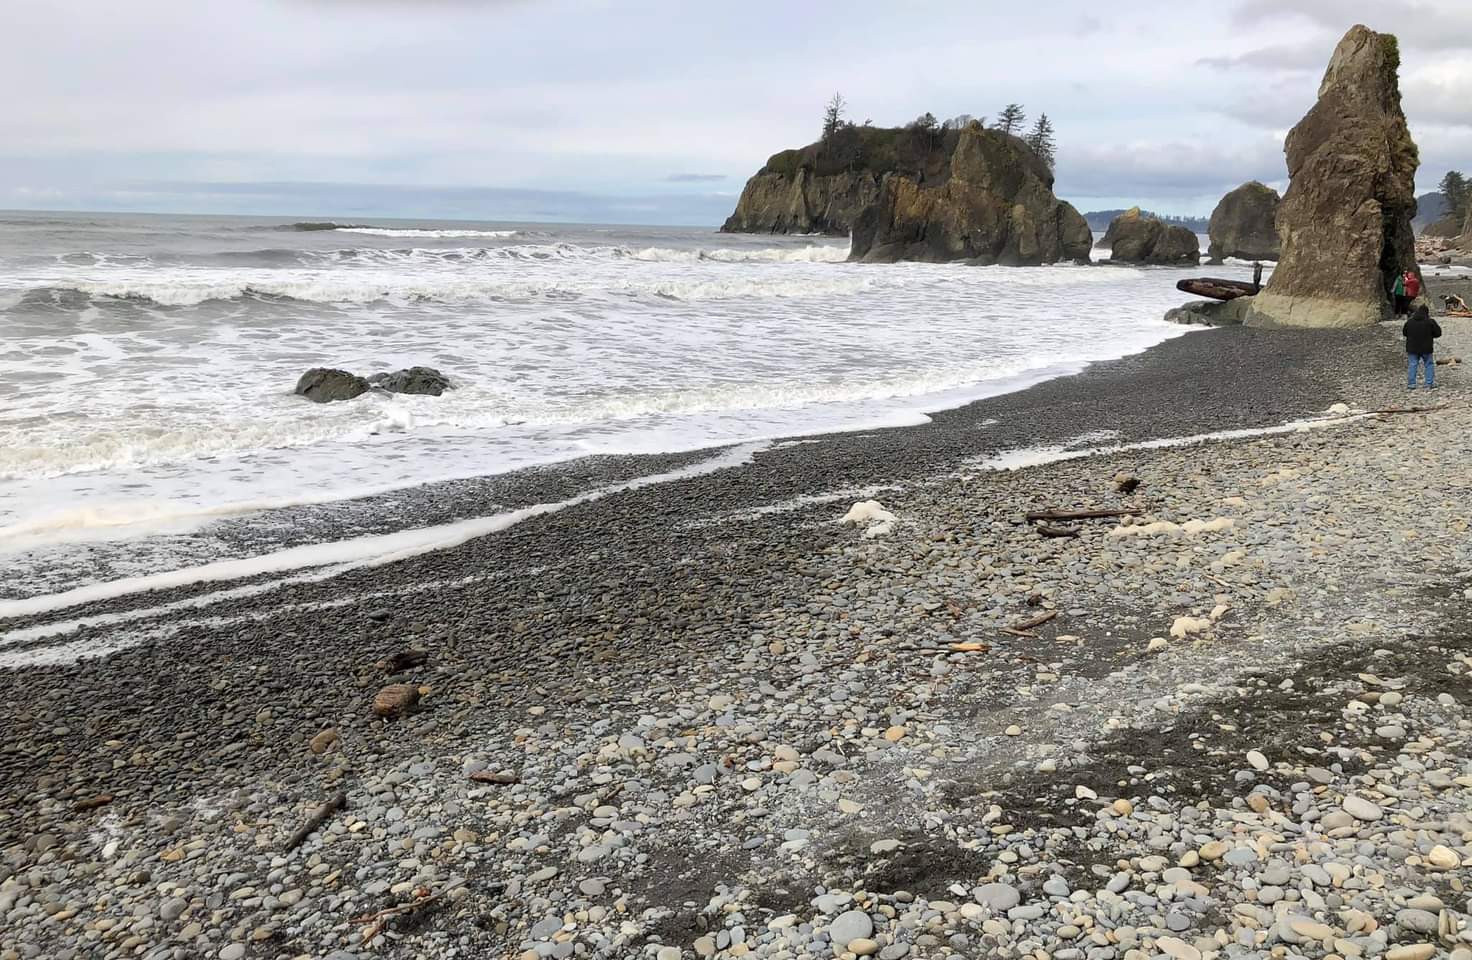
x,y
657,112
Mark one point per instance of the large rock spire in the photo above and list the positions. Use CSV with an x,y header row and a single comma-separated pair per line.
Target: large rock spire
x,y
1345,223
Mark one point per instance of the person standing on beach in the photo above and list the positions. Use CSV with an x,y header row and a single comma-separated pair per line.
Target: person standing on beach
x,y
1398,293
1420,332
1413,288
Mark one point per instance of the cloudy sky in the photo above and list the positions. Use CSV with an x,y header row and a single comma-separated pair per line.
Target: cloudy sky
x,y
656,112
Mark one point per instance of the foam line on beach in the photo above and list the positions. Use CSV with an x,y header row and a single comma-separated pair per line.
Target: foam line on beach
x,y
357,552
1039,456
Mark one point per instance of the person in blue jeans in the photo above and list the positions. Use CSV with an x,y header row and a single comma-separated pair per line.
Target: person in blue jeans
x,y
1420,332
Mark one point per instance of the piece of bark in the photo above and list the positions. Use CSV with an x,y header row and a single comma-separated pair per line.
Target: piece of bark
x,y
1036,621
92,803
1053,513
1047,531
396,699
502,777
402,660
318,817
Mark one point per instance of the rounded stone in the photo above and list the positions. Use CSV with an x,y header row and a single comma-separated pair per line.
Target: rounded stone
x,y
850,925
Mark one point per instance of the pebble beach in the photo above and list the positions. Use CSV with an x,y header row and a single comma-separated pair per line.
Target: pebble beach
x,y
707,718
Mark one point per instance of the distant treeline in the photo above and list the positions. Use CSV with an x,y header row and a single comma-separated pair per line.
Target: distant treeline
x,y
1099,220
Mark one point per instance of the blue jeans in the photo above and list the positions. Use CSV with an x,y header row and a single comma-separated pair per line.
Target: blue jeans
x,y
1415,360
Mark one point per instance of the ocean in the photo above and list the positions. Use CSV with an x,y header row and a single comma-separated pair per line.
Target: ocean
x,y
147,363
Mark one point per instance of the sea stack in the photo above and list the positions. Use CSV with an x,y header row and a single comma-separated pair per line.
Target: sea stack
x,y
1133,237
994,205
1345,223
1244,224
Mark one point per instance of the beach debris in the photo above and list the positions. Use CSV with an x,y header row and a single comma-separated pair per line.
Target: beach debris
x,y
1216,289
971,647
1022,629
402,660
92,803
1156,644
396,699
377,922
1126,482
1338,410
1450,361
1058,532
1183,627
1053,513
870,514
500,777
318,817
323,741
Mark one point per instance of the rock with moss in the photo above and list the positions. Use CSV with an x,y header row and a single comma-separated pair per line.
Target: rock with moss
x,y
1134,237
993,203
1345,222
1245,224
822,187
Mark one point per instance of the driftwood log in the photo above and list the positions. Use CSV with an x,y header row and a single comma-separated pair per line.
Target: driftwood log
x,y
1056,514
318,817
1022,629
1047,531
1215,289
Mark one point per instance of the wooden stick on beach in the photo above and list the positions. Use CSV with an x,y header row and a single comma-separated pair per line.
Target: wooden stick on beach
x,y
1021,629
318,817
1047,531
1052,513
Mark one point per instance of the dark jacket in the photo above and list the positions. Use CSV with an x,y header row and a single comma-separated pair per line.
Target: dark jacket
x,y
1420,332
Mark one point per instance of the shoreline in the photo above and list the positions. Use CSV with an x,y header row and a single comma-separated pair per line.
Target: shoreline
x,y
611,657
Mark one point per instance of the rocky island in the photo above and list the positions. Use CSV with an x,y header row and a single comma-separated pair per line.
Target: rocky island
x,y
968,194
1134,237
1244,224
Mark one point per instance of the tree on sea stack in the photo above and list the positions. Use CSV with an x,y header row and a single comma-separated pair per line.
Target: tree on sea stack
x,y
1041,140
1345,222
833,115
1011,119
1457,191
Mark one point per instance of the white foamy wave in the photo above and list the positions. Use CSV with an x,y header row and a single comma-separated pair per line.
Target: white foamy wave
x,y
189,291
813,254
436,234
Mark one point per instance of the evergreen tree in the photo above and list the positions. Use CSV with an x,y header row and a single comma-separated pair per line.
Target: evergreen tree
x,y
957,122
833,115
1041,140
1458,192
1011,119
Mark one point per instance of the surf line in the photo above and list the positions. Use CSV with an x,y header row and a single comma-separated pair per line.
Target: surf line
x,y
357,552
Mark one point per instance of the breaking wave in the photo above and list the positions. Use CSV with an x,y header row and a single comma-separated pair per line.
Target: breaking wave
x,y
450,289
431,234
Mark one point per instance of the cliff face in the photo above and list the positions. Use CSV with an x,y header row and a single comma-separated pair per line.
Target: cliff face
x,y
802,202
993,203
1345,223
1467,233
1245,224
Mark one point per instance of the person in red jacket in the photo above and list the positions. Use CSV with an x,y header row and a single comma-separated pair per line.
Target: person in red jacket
x,y
1413,287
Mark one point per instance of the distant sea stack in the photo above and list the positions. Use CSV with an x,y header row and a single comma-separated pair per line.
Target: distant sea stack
x,y
1133,237
1244,224
1345,223
992,204
822,187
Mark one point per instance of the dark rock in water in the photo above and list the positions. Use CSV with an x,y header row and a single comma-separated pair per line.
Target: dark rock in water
x,y
1245,224
1345,223
421,380
994,203
324,385
1212,314
1136,238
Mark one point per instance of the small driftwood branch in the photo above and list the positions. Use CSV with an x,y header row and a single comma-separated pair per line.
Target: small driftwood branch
x,y
1047,531
318,817
1391,410
1021,629
92,803
378,921
1052,513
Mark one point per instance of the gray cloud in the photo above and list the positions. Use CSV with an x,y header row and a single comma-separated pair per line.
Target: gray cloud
x,y
1311,57
1418,23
